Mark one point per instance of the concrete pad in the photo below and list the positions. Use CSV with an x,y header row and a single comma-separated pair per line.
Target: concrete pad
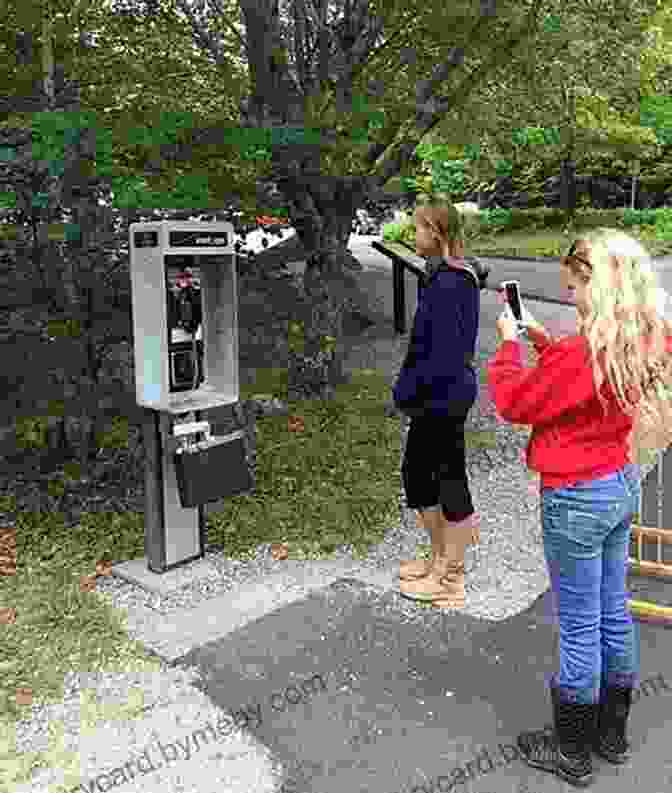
x,y
136,572
361,697
174,636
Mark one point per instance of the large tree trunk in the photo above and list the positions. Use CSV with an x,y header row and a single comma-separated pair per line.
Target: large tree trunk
x,y
317,351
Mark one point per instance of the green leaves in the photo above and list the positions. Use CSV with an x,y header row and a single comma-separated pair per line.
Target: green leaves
x,y
504,168
434,151
535,136
8,199
656,112
473,151
40,200
552,23
448,176
70,328
399,232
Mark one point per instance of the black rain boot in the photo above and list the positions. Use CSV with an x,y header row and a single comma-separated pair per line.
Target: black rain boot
x,y
565,750
612,716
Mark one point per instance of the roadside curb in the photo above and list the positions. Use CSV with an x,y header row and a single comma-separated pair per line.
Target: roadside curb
x,y
549,259
554,259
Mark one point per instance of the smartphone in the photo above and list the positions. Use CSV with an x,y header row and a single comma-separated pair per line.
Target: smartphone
x,y
513,298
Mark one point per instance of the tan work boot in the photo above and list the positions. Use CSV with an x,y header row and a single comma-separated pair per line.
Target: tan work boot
x,y
443,587
418,568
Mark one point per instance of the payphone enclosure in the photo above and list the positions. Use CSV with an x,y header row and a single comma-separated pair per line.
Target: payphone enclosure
x,y
169,355
185,323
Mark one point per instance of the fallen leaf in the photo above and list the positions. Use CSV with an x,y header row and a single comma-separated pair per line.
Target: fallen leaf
x,y
104,567
87,583
296,424
279,550
7,616
7,551
24,696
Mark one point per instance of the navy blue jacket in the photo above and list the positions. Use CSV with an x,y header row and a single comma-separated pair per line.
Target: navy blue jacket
x,y
438,371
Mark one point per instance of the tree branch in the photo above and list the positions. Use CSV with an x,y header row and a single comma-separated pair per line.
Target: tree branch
x,y
358,53
374,54
323,34
432,110
300,42
441,73
260,17
272,82
204,37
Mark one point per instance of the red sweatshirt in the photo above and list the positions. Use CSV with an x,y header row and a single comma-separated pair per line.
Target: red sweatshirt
x,y
572,439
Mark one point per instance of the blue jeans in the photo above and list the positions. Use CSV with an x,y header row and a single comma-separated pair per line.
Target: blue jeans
x,y
586,530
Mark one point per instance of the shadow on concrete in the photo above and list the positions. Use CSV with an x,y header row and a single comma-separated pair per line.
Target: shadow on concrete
x,y
353,690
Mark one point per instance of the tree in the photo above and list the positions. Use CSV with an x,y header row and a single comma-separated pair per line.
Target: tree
x,y
287,90
77,305
305,71
583,77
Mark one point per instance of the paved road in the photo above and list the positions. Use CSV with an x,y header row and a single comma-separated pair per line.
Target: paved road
x,y
541,288
559,318
542,280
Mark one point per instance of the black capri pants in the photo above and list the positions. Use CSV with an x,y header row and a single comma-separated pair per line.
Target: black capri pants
x,y
434,469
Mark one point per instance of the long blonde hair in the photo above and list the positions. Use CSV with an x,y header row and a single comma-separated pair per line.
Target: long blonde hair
x,y
623,311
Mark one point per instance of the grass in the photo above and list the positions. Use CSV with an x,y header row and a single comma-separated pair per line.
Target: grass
x,y
540,242
553,243
334,484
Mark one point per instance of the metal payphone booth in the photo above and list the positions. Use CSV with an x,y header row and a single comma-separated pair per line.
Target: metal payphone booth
x,y
185,323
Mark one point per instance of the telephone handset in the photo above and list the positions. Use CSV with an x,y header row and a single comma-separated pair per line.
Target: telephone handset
x,y
185,313
189,310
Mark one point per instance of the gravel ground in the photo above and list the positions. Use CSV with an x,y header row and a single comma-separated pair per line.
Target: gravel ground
x,y
510,542
505,494
506,571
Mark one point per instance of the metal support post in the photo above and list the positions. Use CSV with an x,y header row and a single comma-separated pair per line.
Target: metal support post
x,y
399,297
174,535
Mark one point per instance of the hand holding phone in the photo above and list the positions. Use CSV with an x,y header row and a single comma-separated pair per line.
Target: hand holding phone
x,y
514,303
512,292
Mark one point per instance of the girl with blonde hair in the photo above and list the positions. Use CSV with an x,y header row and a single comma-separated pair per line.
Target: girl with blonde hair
x,y
592,398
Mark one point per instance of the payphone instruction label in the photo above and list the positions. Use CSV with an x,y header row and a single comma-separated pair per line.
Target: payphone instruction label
x,y
198,239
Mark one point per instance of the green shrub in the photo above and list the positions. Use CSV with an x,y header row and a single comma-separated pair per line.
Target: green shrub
x,y
640,217
664,224
399,232
496,219
31,432
116,437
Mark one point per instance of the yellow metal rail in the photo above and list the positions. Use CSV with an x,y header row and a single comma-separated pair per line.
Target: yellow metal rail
x,y
645,610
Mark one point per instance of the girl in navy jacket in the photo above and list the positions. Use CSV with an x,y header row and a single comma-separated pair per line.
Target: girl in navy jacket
x,y
437,387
